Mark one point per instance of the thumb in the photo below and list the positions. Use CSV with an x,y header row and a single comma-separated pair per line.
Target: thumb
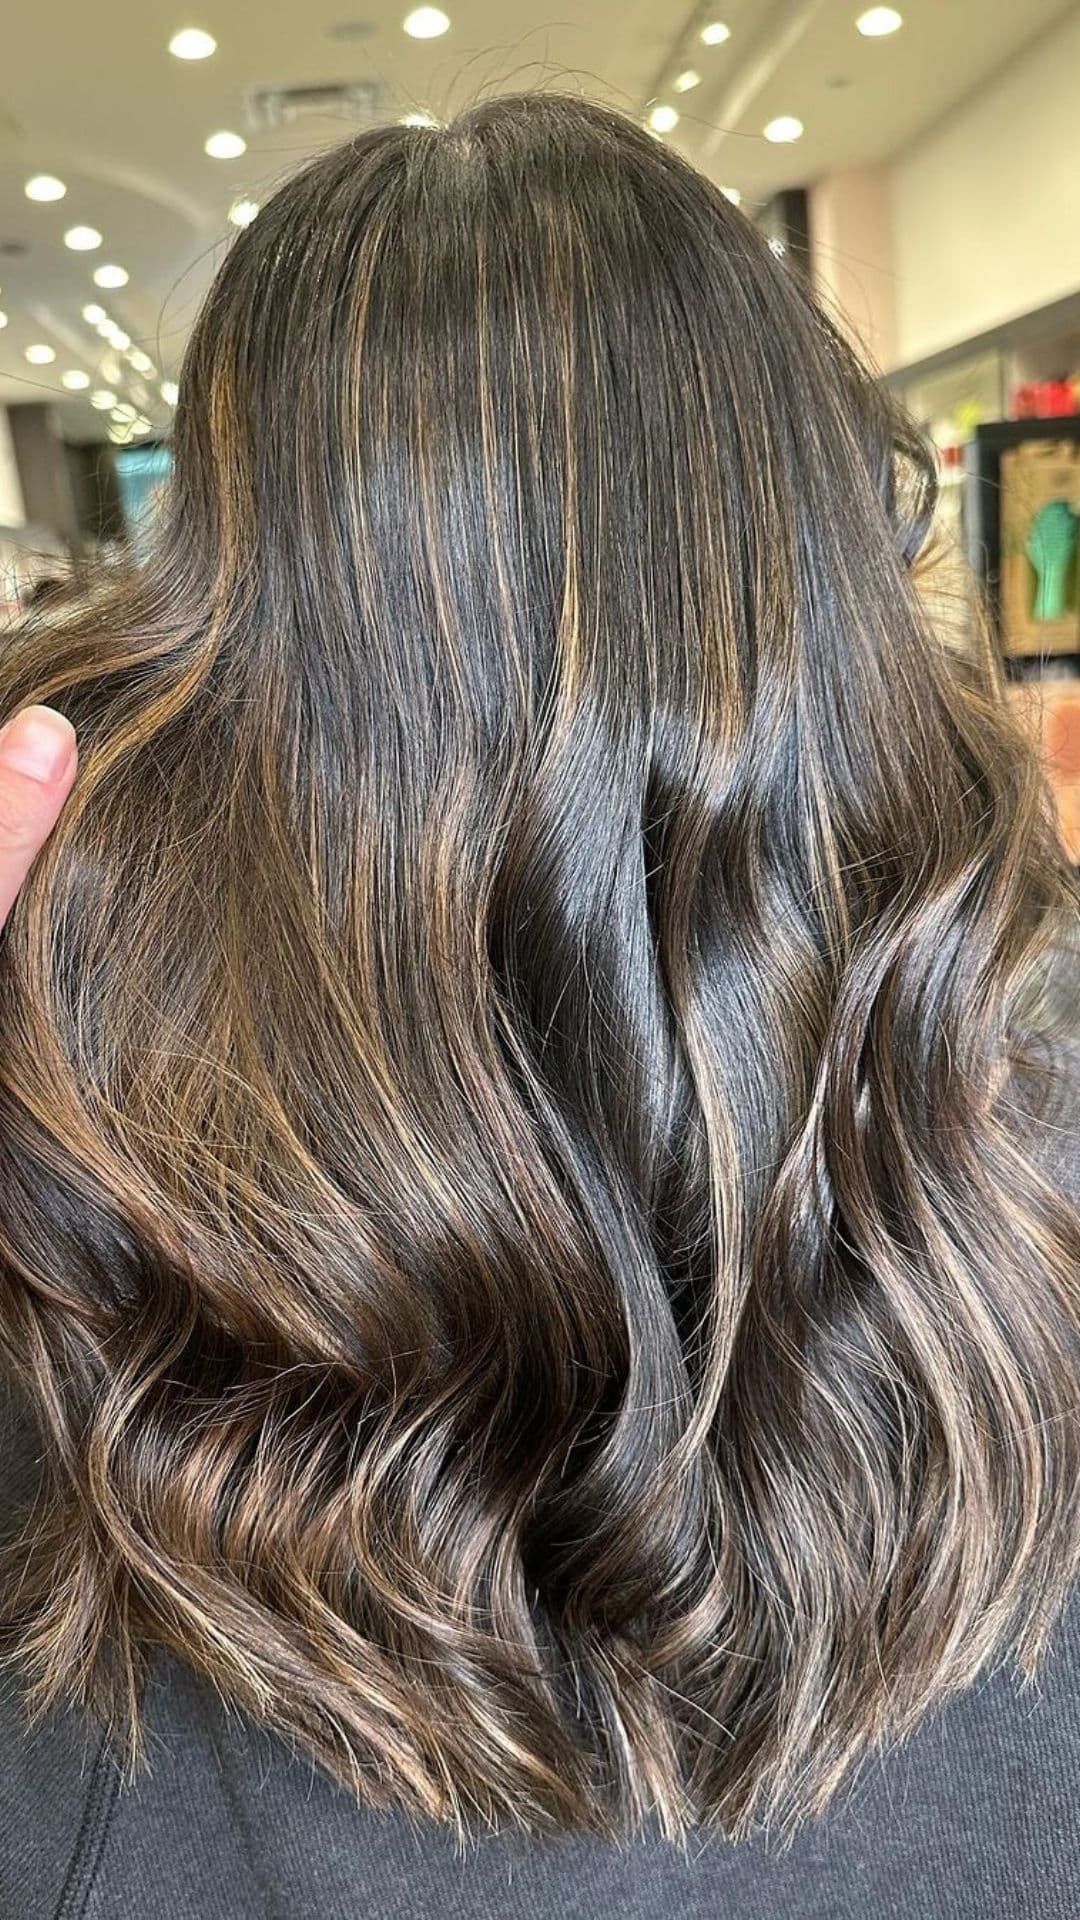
x,y
37,769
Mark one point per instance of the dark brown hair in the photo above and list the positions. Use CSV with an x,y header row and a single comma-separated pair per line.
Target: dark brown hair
x,y
514,1218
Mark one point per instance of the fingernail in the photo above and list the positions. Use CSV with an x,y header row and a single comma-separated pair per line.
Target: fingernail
x,y
37,742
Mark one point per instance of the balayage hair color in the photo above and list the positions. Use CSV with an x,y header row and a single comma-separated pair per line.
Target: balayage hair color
x,y
514,1217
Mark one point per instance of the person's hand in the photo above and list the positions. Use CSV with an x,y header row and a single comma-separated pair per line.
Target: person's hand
x,y
38,760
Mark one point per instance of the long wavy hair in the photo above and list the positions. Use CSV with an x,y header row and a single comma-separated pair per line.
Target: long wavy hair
x,y
515,1219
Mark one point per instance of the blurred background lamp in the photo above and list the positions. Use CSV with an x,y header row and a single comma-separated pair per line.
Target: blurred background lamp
x,y
191,43
426,23
783,129
82,239
876,22
225,146
44,186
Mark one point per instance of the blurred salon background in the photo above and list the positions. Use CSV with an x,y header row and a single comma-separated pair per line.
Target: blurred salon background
x,y
921,163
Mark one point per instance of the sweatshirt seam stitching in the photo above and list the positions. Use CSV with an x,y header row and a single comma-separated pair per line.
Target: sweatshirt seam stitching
x,y
220,1742
89,1849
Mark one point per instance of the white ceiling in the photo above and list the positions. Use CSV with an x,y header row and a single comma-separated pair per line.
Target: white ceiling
x,y
89,92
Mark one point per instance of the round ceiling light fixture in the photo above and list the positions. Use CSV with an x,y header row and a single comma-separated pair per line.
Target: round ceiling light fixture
x,y
783,130
225,145
191,43
82,239
44,186
877,22
426,23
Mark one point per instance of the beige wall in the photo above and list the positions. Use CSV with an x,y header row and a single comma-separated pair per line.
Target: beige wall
x,y
986,207
12,512
851,223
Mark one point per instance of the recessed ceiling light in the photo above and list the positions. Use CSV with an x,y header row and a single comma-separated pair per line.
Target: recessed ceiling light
x,y
103,400
122,411
191,43
44,186
94,314
426,23
75,380
225,146
663,118
783,129
141,424
685,82
141,361
111,276
40,355
243,212
418,120
876,22
82,239
119,339
170,392
715,33
3,321
732,194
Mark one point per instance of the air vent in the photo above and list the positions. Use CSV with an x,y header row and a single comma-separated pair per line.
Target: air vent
x,y
355,101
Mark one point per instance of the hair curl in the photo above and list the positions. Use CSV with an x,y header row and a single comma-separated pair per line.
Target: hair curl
x,y
514,1218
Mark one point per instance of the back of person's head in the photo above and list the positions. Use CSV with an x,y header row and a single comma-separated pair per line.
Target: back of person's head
x,y
514,1212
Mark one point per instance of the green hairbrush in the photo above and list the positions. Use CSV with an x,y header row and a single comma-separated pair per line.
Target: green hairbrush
x,y
1051,544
